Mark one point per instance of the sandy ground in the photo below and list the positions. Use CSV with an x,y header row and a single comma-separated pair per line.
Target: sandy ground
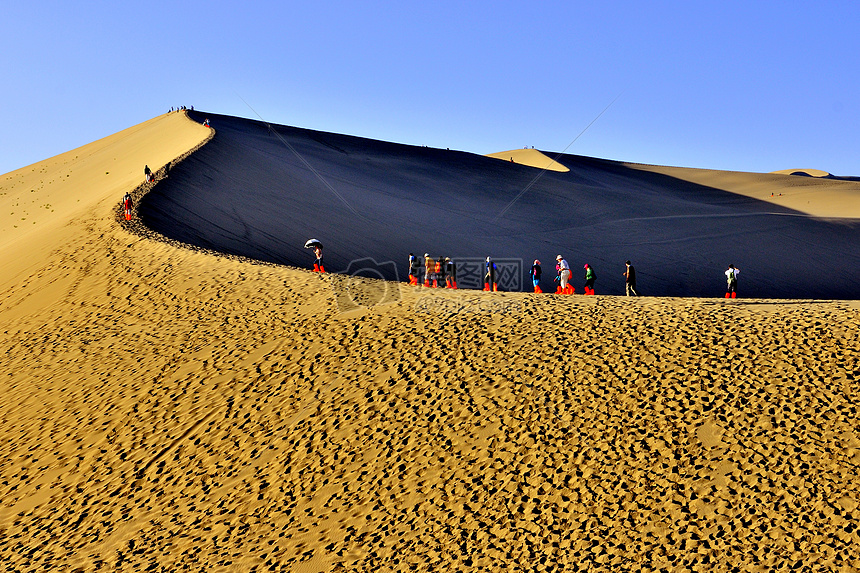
x,y
167,409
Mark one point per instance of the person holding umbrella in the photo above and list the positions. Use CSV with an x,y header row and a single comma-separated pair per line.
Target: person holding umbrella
x,y
317,247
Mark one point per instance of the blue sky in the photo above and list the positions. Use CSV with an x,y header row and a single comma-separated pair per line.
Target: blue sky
x,y
746,86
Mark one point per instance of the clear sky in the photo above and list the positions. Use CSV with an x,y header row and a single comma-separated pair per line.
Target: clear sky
x,y
747,86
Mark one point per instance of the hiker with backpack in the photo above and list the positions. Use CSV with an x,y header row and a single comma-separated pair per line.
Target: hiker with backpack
x,y
732,282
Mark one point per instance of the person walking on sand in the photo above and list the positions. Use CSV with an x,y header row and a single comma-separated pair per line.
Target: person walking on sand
x,y
450,273
564,274
590,277
127,206
490,283
147,172
535,275
732,282
413,269
429,269
441,269
318,264
630,280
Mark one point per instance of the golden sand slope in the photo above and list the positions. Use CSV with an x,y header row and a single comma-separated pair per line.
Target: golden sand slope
x,y
816,196
37,202
530,157
807,172
166,409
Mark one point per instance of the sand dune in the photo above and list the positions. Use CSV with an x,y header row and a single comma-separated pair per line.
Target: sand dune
x,y
803,172
37,202
814,195
532,158
165,408
261,191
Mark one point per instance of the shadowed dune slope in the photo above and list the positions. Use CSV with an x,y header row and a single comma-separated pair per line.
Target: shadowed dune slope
x,y
262,192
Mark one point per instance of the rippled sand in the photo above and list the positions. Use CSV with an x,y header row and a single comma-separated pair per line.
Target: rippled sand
x,y
169,409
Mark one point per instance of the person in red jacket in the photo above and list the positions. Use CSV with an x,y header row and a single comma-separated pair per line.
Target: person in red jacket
x,y
127,206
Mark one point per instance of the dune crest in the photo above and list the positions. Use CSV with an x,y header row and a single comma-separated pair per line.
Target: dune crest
x,y
806,172
530,157
37,202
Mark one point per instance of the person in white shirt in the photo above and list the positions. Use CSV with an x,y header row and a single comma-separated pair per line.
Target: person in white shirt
x,y
732,282
564,268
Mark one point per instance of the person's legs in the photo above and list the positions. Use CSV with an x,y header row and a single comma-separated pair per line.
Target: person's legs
x,y
589,286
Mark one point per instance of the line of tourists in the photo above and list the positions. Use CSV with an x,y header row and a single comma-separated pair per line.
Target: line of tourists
x,y
562,277
440,272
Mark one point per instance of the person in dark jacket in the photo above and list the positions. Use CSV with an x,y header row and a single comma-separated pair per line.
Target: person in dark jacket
x,y
630,280
535,274
590,277
439,273
413,269
490,283
451,273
